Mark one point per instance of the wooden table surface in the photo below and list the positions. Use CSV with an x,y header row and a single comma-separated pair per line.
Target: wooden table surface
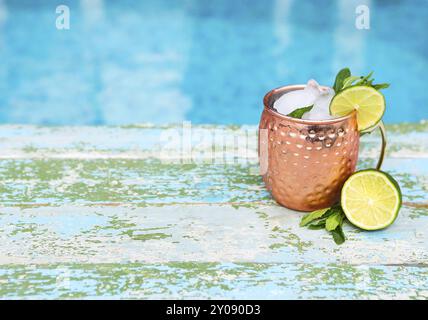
x,y
119,212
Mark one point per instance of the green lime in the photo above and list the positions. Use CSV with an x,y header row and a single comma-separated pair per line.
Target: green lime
x,y
366,101
371,199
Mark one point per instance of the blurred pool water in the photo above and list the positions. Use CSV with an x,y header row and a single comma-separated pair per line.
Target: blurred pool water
x,y
165,61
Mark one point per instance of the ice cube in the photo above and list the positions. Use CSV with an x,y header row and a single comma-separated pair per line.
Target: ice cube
x,y
313,94
298,98
313,88
321,109
292,101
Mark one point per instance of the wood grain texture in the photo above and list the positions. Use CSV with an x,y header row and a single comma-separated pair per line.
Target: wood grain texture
x,y
128,212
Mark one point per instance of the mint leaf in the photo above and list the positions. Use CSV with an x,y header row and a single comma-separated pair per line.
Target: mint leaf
x,y
312,216
298,113
320,222
334,220
340,77
338,235
337,222
349,81
380,86
316,226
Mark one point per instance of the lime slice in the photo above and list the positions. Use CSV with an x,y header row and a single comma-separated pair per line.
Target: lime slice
x,y
371,199
368,103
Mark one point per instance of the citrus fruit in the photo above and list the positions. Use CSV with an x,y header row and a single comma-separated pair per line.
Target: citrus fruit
x,y
366,101
371,199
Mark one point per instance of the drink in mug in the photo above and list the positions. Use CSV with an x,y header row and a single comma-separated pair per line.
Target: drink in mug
x,y
305,162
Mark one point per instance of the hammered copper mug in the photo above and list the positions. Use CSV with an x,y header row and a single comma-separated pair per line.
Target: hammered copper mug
x,y
304,163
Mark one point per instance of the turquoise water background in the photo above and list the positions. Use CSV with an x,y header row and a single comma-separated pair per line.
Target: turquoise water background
x,y
164,61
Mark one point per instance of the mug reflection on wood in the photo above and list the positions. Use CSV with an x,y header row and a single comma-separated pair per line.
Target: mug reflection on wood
x,y
304,163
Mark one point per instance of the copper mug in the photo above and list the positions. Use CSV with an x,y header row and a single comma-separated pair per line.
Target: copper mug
x,y
304,163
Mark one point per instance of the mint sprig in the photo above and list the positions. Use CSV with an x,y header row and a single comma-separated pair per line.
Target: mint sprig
x,y
344,79
299,112
331,219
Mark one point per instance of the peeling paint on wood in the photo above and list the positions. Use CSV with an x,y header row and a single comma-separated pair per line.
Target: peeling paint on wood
x,y
97,212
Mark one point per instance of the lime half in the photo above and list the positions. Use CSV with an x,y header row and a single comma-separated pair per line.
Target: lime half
x,y
368,103
371,199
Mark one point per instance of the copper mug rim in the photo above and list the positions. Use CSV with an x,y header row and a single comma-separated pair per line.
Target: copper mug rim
x,y
288,88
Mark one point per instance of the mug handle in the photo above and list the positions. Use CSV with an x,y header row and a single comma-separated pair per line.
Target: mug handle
x,y
382,130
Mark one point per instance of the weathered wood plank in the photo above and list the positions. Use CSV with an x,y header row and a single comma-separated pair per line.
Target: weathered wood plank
x,y
114,205
147,141
59,181
202,233
214,281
